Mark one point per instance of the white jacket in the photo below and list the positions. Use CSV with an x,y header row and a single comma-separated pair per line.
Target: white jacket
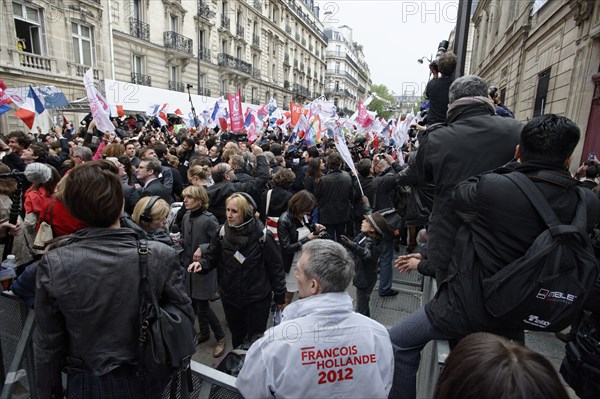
x,y
322,349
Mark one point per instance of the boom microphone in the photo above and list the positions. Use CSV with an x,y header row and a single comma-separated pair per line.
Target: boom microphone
x,y
34,172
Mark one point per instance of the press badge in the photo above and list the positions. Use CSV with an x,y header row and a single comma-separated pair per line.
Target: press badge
x,y
239,257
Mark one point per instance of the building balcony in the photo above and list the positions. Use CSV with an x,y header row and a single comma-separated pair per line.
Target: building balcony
x,y
225,22
258,6
141,79
32,61
286,59
303,41
256,73
175,41
256,40
288,29
351,78
176,86
204,10
301,90
203,91
228,61
286,84
335,54
204,54
139,29
79,70
334,72
239,30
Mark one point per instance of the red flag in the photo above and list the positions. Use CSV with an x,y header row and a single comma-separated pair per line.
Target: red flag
x,y
296,112
235,112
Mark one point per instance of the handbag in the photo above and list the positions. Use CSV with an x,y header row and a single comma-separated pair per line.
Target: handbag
x,y
167,335
271,222
44,233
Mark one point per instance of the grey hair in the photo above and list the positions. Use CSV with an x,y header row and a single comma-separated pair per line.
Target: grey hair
x,y
84,152
468,86
329,263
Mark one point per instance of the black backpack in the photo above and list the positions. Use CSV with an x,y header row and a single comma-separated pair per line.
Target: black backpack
x,y
393,222
545,289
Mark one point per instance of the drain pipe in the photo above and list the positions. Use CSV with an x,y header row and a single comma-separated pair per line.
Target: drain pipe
x,y
110,41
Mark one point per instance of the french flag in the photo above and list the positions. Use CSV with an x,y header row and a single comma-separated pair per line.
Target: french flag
x,y
5,99
30,108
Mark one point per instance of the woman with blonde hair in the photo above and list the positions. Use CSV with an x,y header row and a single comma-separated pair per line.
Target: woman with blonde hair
x,y
150,213
250,270
198,228
199,175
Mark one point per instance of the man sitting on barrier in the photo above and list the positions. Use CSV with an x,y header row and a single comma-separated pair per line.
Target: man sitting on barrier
x,y
322,348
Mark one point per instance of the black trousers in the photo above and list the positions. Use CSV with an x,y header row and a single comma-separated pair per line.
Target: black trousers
x,y
336,230
249,322
207,318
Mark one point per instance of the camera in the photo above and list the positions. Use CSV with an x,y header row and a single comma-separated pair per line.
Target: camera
x,y
189,86
442,47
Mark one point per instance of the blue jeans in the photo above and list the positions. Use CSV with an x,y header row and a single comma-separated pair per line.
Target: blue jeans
x,y
409,337
386,258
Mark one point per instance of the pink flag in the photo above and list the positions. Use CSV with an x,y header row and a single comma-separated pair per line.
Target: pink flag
x,y
235,112
363,115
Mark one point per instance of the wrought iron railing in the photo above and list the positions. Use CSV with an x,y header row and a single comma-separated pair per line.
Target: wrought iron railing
x,y
286,84
301,90
239,30
139,29
179,42
288,29
303,41
310,47
228,61
351,78
204,54
79,70
204,10
203,91
176,86
141,79
256,39
256,73
225,22
297,36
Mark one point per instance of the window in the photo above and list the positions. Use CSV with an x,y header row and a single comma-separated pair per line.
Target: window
x,y
238,52
337,67
28,28
537,5
138,10
82,43
138,64
174,73
542,93
174,23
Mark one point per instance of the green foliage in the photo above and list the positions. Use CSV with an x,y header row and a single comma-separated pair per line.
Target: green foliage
x,y
382,102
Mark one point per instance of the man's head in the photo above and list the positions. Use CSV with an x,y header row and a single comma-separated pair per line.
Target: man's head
x,y
215,152
467,86
222,171
188,144
324,266
148,169
549,138
148,152
18,141
334,161
93,193
161,150
446,63
130,149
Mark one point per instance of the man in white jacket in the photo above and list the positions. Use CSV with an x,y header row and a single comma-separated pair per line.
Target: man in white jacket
x,y
321,348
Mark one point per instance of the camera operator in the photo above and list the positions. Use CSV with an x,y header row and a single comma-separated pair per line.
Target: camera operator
x,y
437,89
501,109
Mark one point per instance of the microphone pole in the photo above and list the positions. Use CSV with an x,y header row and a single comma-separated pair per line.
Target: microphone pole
x,y
193,109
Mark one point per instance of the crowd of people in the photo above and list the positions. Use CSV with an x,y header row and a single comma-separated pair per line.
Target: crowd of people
x,y
274,223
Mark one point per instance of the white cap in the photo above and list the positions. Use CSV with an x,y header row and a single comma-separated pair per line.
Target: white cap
x,y
10,257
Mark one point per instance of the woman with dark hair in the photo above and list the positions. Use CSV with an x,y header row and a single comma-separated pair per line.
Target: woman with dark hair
x,y
294,230
250,270
313,174
90,329
485,366
198,228
279,195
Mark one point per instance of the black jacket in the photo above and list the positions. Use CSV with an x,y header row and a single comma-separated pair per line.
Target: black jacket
x,y
365,251
288,239
155,187
260,273
278,204
384,186
420,200
335,194
219,192
500,224
474,142
87,303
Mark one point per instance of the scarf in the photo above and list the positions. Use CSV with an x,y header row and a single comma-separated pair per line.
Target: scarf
x,y
238,238
459,106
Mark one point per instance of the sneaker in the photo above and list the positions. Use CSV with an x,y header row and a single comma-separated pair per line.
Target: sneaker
x,y
202,338
219,347
391,292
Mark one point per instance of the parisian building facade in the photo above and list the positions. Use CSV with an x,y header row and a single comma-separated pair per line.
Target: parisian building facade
x,y
264,48
347,78
544,57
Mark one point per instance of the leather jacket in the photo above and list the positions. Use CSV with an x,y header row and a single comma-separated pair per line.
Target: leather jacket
x,y
87,302
288,239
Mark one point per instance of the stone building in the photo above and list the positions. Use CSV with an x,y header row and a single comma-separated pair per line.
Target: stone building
x,y
544,56
348,78
262,47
